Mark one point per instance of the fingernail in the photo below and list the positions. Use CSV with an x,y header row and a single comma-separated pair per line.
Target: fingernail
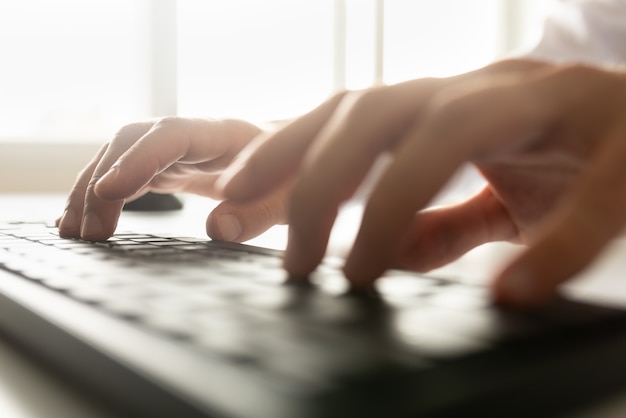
x,y
92,225
109,176
229,227
68,221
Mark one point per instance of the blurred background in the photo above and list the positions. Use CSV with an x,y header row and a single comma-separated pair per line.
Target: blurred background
x,y
75,71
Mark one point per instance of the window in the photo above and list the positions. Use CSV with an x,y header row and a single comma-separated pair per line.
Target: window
x,y
74,71
259,60
71,68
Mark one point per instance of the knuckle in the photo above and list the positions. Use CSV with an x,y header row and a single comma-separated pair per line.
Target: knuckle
x,y
572,74
578,86
131,127
91,184
449,112
363,103
454,108
170,122
577,70
182,129
129,134
340,95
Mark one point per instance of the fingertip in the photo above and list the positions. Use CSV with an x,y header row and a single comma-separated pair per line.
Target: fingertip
x,y
238,222
105,187
359,276
99,220
224,227
297,267
68,224
301,258
367,260
92,228
521,286
513,287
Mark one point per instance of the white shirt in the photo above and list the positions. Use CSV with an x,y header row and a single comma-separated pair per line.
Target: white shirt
x,y
586,31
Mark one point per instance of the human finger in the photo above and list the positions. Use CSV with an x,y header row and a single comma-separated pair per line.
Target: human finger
x,y
364,126
339,161
575,234
174,140
100,216
199,183
77,221
336,156
238,222
69,224
274,157
454,130
440,235
135,158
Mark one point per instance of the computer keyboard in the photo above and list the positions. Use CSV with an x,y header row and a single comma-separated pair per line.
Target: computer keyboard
x,y
416,345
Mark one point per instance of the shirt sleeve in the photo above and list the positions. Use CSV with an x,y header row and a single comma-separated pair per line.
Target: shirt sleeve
x,y
584,31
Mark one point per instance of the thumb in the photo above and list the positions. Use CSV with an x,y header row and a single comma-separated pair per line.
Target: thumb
x,y
237,222
578,232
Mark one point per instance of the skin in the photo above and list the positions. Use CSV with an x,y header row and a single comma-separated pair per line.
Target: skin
x,y
549,139
168,155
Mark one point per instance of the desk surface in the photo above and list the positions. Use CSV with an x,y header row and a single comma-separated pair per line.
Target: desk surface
x,y
28,390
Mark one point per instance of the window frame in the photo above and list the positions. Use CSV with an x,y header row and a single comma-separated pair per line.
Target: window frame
x,y
55,164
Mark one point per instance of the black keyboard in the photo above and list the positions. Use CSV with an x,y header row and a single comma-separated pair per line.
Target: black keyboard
x,y
415,346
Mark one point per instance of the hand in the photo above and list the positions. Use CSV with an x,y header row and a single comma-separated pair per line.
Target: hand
x,y
169,155
549,139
